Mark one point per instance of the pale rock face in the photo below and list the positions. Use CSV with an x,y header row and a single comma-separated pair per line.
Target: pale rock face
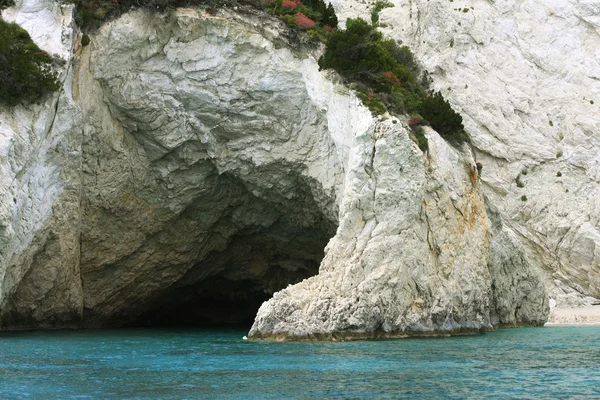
x,y
525,77
410,255
191,156
203,156
49,23
214,161
519,296
40,155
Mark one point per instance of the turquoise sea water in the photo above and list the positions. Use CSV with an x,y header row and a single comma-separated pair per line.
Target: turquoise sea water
x,y
540,363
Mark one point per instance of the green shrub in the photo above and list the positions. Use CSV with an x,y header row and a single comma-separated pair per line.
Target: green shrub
x,y
361,55
90,14
383,74
518,181
85,40
559,174
316,11
377,7
523,198
6,3
370,100
25,70
325,15
422,141
355,51
441,117
289,20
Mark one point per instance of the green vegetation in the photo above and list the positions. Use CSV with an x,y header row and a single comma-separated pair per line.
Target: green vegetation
x,y
422,141
518,181
6,3
313,15
559,174
307,14
379,69
384,77
85,40
90,14
377,7
25,70
383,73
523,198
416,123
441,116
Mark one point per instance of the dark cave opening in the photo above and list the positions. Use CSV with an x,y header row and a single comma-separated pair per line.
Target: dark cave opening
x,y
213,302
216,261
251,269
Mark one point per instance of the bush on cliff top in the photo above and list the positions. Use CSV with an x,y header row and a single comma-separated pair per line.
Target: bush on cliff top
x,y
441,116
90,14
384,76
308,14
6,3
25,70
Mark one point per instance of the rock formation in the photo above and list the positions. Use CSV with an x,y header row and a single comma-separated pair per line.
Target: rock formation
x,y
193,165
524,75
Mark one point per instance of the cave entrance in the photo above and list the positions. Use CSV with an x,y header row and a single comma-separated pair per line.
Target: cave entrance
x,y
253,267
225,250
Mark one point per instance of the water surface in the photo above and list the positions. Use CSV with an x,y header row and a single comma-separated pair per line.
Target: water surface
x,y
551,362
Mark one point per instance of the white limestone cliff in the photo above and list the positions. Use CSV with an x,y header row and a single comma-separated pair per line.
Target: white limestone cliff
x,y
194,154
40,157
525,76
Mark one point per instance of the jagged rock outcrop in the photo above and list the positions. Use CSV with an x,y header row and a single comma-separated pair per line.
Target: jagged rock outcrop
x,y
525,77
519,296
410,255
195,164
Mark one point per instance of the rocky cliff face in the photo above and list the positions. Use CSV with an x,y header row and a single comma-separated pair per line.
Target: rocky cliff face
x,y
193,165
524,75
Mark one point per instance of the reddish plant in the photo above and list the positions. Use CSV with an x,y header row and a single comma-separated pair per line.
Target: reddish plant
x,y
290,3
327,28
414,121
390,77
303,22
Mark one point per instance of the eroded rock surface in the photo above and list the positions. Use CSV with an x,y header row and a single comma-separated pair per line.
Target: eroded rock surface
x,y
410,255
206,170
525,77
194,164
